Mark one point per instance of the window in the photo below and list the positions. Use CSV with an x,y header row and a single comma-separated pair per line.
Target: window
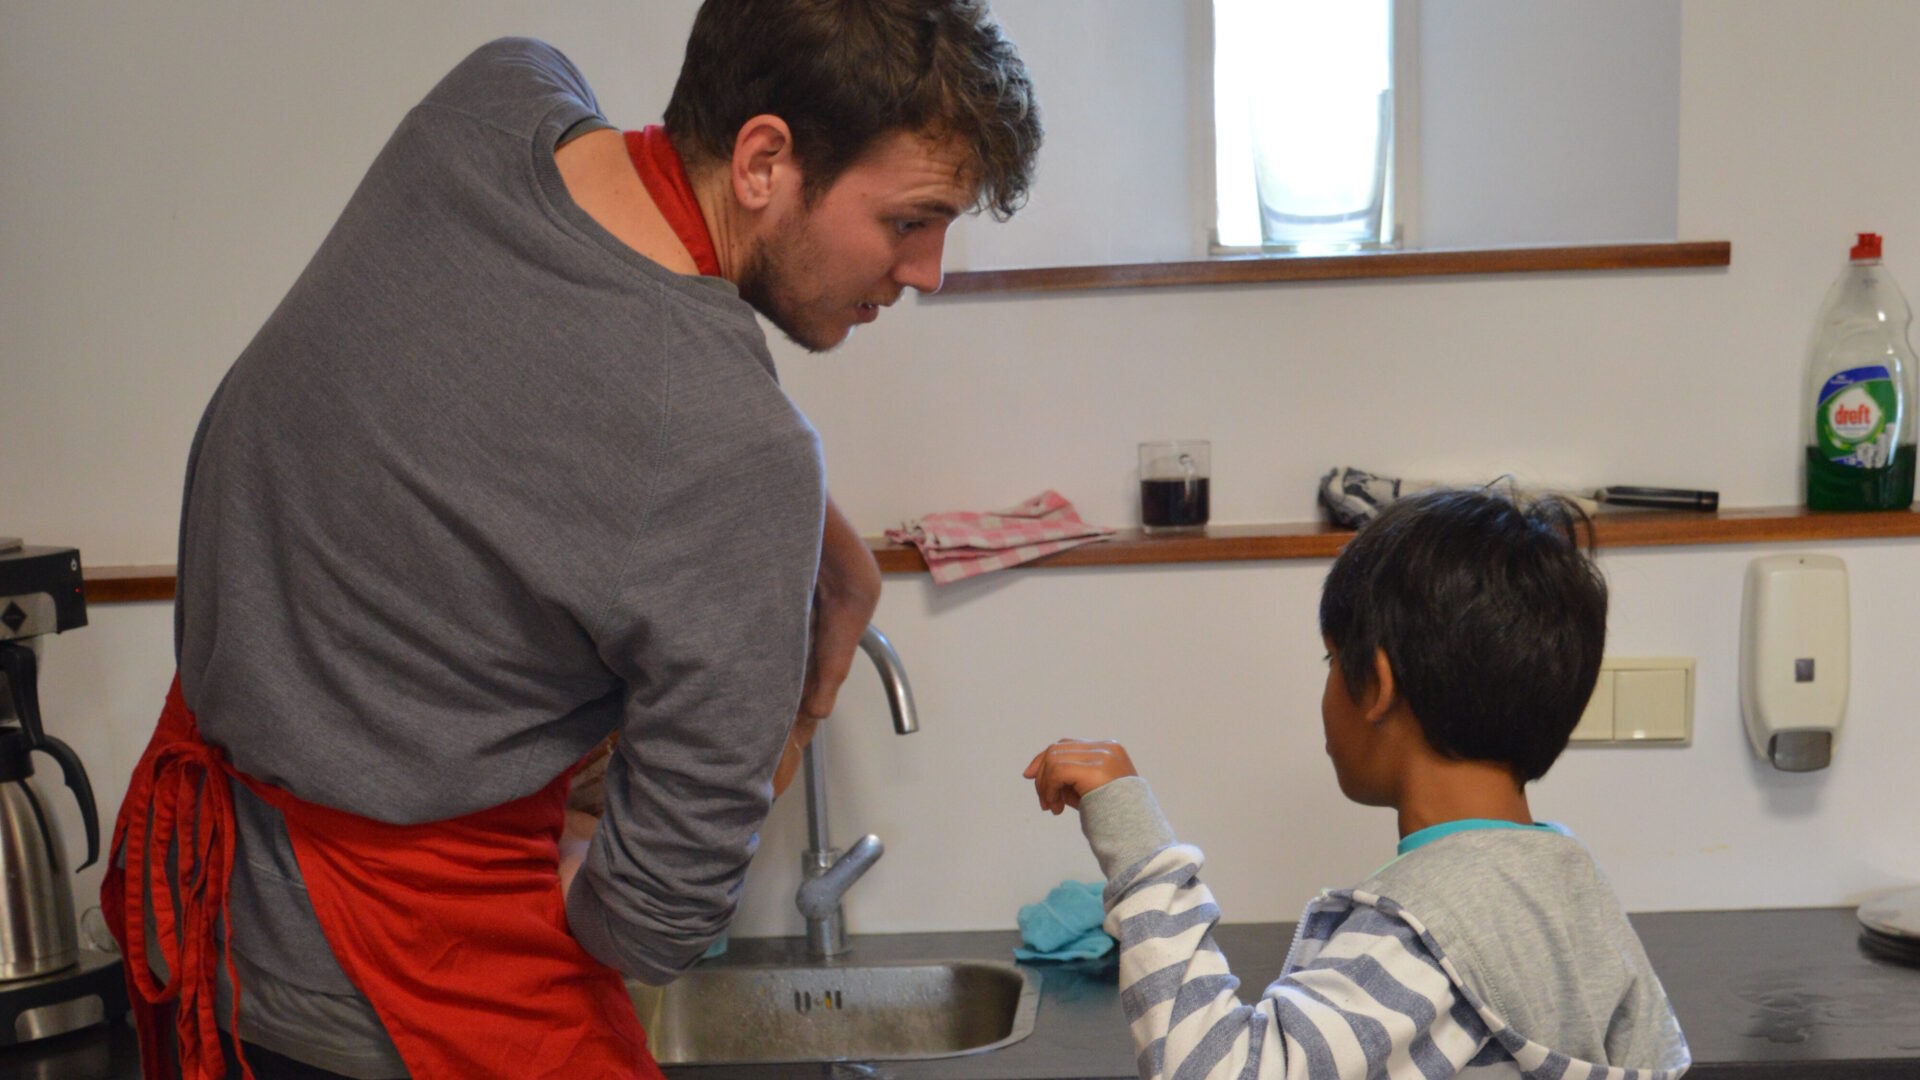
x,y
1304,124
1515,123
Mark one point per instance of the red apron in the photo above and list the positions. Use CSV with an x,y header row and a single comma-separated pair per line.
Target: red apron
x,y
455,931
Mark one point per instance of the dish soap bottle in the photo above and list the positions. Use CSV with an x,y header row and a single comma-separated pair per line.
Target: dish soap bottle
x,y
1859,409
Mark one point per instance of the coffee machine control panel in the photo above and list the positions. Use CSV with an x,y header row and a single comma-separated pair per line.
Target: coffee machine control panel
x,y
41,591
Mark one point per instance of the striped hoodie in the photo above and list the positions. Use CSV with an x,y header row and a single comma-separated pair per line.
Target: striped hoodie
x,y
1483,955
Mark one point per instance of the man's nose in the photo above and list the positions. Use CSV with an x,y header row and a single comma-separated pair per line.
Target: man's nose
x,y
919,266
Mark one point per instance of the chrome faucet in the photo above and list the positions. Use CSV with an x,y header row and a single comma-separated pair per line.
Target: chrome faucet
x,y
827,873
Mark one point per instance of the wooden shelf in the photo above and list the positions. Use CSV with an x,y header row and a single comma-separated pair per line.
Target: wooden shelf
x,y
1254,269
1301,540
1131,547
1318,540
128,584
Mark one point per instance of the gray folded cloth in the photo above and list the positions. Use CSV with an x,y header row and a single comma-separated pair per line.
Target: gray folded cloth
x,y
1354,497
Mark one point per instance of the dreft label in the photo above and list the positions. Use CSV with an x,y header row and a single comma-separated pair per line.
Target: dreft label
x,y
1856,419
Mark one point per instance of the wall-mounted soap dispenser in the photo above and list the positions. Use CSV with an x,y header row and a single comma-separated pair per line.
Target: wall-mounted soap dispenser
x,y
1795,658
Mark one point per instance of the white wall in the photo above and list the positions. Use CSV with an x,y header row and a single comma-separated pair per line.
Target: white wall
x,y
167,169
1126,173
1571,138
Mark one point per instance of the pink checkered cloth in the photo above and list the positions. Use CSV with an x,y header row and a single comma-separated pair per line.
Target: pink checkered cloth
x,y
962,544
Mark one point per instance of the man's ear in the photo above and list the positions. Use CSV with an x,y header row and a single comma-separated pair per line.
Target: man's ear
x,y
763,162
1383,695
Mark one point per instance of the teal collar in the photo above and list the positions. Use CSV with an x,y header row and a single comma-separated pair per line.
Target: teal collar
x,y
1447,828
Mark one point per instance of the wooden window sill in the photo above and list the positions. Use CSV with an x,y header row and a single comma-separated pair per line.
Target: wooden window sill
x,y
1302,540
1254,269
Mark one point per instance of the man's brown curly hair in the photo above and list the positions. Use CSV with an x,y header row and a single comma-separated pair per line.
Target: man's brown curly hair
x,y
845,73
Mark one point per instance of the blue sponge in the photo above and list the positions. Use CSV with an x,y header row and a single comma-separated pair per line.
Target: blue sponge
x,y
1066,925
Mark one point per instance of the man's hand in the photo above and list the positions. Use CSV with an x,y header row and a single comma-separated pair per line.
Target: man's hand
x,y
586,801
845,594
1070,768
574,836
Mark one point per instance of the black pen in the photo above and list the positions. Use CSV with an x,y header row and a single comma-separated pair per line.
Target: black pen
x,y
1659,498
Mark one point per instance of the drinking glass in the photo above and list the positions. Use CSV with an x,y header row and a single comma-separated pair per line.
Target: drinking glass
x,y
1173,484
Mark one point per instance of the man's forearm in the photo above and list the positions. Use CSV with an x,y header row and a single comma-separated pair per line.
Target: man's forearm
x,y
845,594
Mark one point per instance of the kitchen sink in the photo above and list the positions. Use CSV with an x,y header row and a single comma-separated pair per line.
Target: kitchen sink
x,y
838,1012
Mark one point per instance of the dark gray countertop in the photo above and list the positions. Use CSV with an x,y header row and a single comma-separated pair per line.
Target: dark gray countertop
x,y
1785,993
1768,995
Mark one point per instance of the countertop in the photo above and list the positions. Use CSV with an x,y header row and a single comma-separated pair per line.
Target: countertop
x,y
1770,994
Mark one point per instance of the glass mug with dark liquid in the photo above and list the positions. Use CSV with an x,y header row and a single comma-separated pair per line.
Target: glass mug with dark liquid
x,y
1173,484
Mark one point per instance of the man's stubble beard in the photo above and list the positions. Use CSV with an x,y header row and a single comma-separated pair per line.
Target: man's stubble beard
x,y
763,276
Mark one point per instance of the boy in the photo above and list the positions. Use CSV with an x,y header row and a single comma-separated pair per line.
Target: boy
x,y
1464,636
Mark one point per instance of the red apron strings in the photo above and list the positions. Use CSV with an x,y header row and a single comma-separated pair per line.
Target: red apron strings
x,y
180,784
455,931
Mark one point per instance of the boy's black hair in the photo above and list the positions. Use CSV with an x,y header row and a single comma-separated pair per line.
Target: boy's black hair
x,y
1493,617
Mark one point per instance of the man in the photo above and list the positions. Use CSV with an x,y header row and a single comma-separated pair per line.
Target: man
x,y
508,471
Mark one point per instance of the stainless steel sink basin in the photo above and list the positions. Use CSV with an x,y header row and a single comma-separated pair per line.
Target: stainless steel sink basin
x,y
874,1012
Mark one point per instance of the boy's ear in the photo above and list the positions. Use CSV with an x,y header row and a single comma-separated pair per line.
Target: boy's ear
x,y
1384,694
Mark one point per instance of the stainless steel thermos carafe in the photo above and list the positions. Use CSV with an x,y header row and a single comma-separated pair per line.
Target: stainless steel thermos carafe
x,y
38,933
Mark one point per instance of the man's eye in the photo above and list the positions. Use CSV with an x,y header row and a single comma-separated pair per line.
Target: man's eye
x,y
909,225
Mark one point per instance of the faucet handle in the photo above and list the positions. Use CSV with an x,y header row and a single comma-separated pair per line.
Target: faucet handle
x,y
819,897
862,855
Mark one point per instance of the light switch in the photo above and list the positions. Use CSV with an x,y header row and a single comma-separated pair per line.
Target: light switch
x,y
1596,724
1639,701
1650,704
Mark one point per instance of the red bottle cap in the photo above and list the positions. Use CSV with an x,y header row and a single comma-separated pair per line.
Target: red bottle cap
x,y
1868,247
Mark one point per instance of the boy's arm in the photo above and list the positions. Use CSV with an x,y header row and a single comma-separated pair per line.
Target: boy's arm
x,y
1374,1001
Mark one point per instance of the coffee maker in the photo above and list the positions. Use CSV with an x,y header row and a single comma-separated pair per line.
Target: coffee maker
x,y
49,983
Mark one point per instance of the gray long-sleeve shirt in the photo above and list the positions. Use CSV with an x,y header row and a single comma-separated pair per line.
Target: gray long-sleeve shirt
x,y
487,486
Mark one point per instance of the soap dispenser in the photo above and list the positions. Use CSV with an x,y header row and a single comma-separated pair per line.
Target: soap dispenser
x,y
1795,658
